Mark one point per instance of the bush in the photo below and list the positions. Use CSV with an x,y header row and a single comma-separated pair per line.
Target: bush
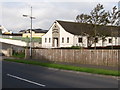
x,y
18,55
72,47
75,47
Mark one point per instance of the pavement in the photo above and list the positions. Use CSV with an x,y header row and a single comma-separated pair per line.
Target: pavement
x,y
18,75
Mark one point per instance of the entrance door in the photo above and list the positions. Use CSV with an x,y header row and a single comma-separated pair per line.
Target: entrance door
x,y
55,42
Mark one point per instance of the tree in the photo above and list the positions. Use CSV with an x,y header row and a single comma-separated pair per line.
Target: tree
x,y
114,16
118,20
83,18
114,19
98,16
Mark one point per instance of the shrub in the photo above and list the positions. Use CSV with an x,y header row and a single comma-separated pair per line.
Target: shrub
x,y
75,47
19,54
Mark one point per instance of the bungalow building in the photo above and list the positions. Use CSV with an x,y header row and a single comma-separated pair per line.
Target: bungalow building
x,y
67,34
35,33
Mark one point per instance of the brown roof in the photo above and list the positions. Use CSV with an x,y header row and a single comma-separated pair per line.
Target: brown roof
x,y
40,31
82,29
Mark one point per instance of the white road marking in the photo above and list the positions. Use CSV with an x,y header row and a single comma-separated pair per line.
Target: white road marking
x,y
26,80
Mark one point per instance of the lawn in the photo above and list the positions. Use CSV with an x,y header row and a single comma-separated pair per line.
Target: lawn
x,y
68,67
19,55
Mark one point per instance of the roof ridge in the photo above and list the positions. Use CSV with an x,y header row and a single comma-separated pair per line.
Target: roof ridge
x,y
85,23
79,28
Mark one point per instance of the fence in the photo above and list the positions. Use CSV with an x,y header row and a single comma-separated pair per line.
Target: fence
x,y
7,52
9,49
93,57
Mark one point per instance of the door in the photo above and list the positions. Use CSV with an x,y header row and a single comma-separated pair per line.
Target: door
x,y
55,42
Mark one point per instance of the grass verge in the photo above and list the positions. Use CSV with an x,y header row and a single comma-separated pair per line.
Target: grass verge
x,y
19,55
25,39
68,67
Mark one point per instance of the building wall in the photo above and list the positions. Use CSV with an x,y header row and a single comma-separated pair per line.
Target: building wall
x,y
77,43
13,42
73,39
7,49
115,41
48,35
62,34
33,34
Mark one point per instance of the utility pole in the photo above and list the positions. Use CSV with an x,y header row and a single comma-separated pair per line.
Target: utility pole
x,y
31,17
31,35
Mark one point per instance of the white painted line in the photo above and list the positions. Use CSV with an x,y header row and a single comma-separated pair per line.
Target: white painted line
x,y
26,80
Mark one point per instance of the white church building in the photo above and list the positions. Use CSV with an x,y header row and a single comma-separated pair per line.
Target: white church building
x,y
67,34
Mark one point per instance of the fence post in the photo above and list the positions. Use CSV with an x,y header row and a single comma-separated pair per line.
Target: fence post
x,y
27,56
9,52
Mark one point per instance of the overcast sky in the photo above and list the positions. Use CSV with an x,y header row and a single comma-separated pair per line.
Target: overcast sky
x,y
45,12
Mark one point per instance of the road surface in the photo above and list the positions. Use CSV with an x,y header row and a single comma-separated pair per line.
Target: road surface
x,y
17,75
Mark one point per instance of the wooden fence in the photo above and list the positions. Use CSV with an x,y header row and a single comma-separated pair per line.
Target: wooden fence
x,y
93,57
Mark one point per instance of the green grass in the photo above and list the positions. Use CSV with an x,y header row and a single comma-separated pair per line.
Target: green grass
x,y
19,55
68,67
34,39
28,39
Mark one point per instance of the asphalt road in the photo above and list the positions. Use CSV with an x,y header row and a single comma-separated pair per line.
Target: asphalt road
x,y
17,75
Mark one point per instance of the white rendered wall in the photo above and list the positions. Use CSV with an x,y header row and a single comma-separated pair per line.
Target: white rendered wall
x,y
73,39
64,34
115,41
47,35
14,42
84,41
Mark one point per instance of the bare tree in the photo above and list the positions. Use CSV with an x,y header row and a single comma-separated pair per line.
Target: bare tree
x,y
114,20
83,18
98,16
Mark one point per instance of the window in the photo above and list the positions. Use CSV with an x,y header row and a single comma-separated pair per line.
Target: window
x,y
49,40
96,40
67,39
55,31
79,40
45,40
110,40
62,40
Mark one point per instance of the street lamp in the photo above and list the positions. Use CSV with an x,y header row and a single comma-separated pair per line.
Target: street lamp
x,y
30,16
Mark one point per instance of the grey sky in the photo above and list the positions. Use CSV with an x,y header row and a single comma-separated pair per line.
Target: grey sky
x,y
45,12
